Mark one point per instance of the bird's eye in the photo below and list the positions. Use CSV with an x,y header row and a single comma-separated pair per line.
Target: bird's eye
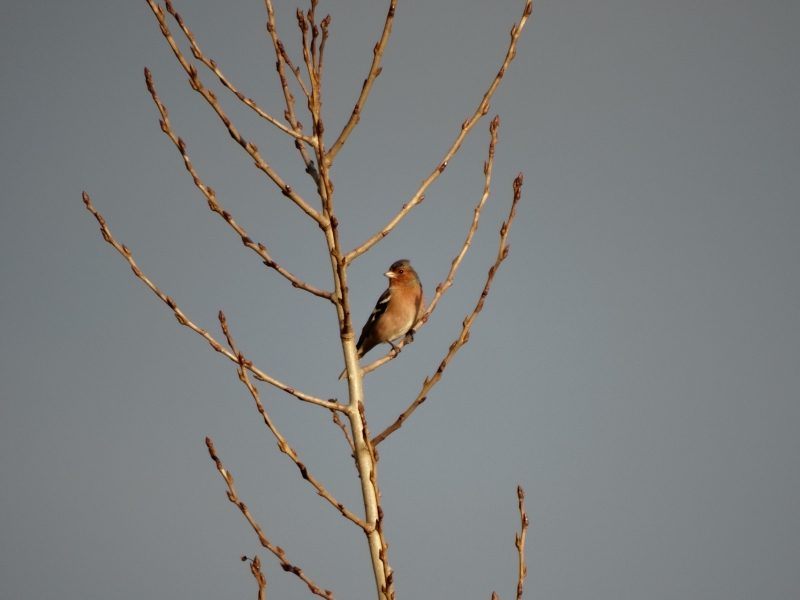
x,y
400,271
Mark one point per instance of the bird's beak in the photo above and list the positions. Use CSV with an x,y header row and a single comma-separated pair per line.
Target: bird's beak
x,y
390,275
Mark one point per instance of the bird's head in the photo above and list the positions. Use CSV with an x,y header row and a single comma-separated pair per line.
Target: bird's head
x,y
402,273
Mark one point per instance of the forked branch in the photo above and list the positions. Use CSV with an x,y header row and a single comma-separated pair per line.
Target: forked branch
x,y
344,430
276,550
184,320
314,36
198,54
211,196
443,287
374,71
283,445
249,147
466,127
282,59
465,326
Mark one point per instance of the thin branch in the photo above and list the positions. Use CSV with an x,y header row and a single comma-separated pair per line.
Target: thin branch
x,y
467,323
314,37
183,319
344,429
520,541
295,71
261,580
324,26
276,550
249,147
466,127
198,54
374,71
214,205
487,173
308,60
283,445
443,287
281,59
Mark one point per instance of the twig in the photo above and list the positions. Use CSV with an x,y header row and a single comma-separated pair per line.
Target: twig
x,y
295,71
183,320
443,287
467,323
374,71
344,429
466,127
276,550
261,580
487,172
198,54
314,37
324,26
212,198
520,541
308,60
249,147
281,59
283,445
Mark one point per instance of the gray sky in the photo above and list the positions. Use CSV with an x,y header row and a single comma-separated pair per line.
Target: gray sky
x,y
636,367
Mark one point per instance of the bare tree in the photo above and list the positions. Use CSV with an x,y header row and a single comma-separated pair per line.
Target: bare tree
x,y
318,159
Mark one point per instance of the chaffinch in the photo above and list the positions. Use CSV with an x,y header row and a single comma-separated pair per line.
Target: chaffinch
x,y
397,311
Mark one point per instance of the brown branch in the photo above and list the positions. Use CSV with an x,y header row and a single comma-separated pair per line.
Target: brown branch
x,y
520,544
295,71
314,36
198,54
283,445
214,205
374,71
466,324
344,429
308,60
324,187
276,550
324,26
249,147
466,127
520,541
443,287
261,580
283,59
184,320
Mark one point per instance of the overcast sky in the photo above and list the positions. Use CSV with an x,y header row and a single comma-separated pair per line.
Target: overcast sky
x,y
636,368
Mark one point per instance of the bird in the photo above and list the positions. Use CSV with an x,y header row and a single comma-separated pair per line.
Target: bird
x,y
396,312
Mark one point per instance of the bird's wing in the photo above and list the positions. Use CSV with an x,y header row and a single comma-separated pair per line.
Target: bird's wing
x,y
377,312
